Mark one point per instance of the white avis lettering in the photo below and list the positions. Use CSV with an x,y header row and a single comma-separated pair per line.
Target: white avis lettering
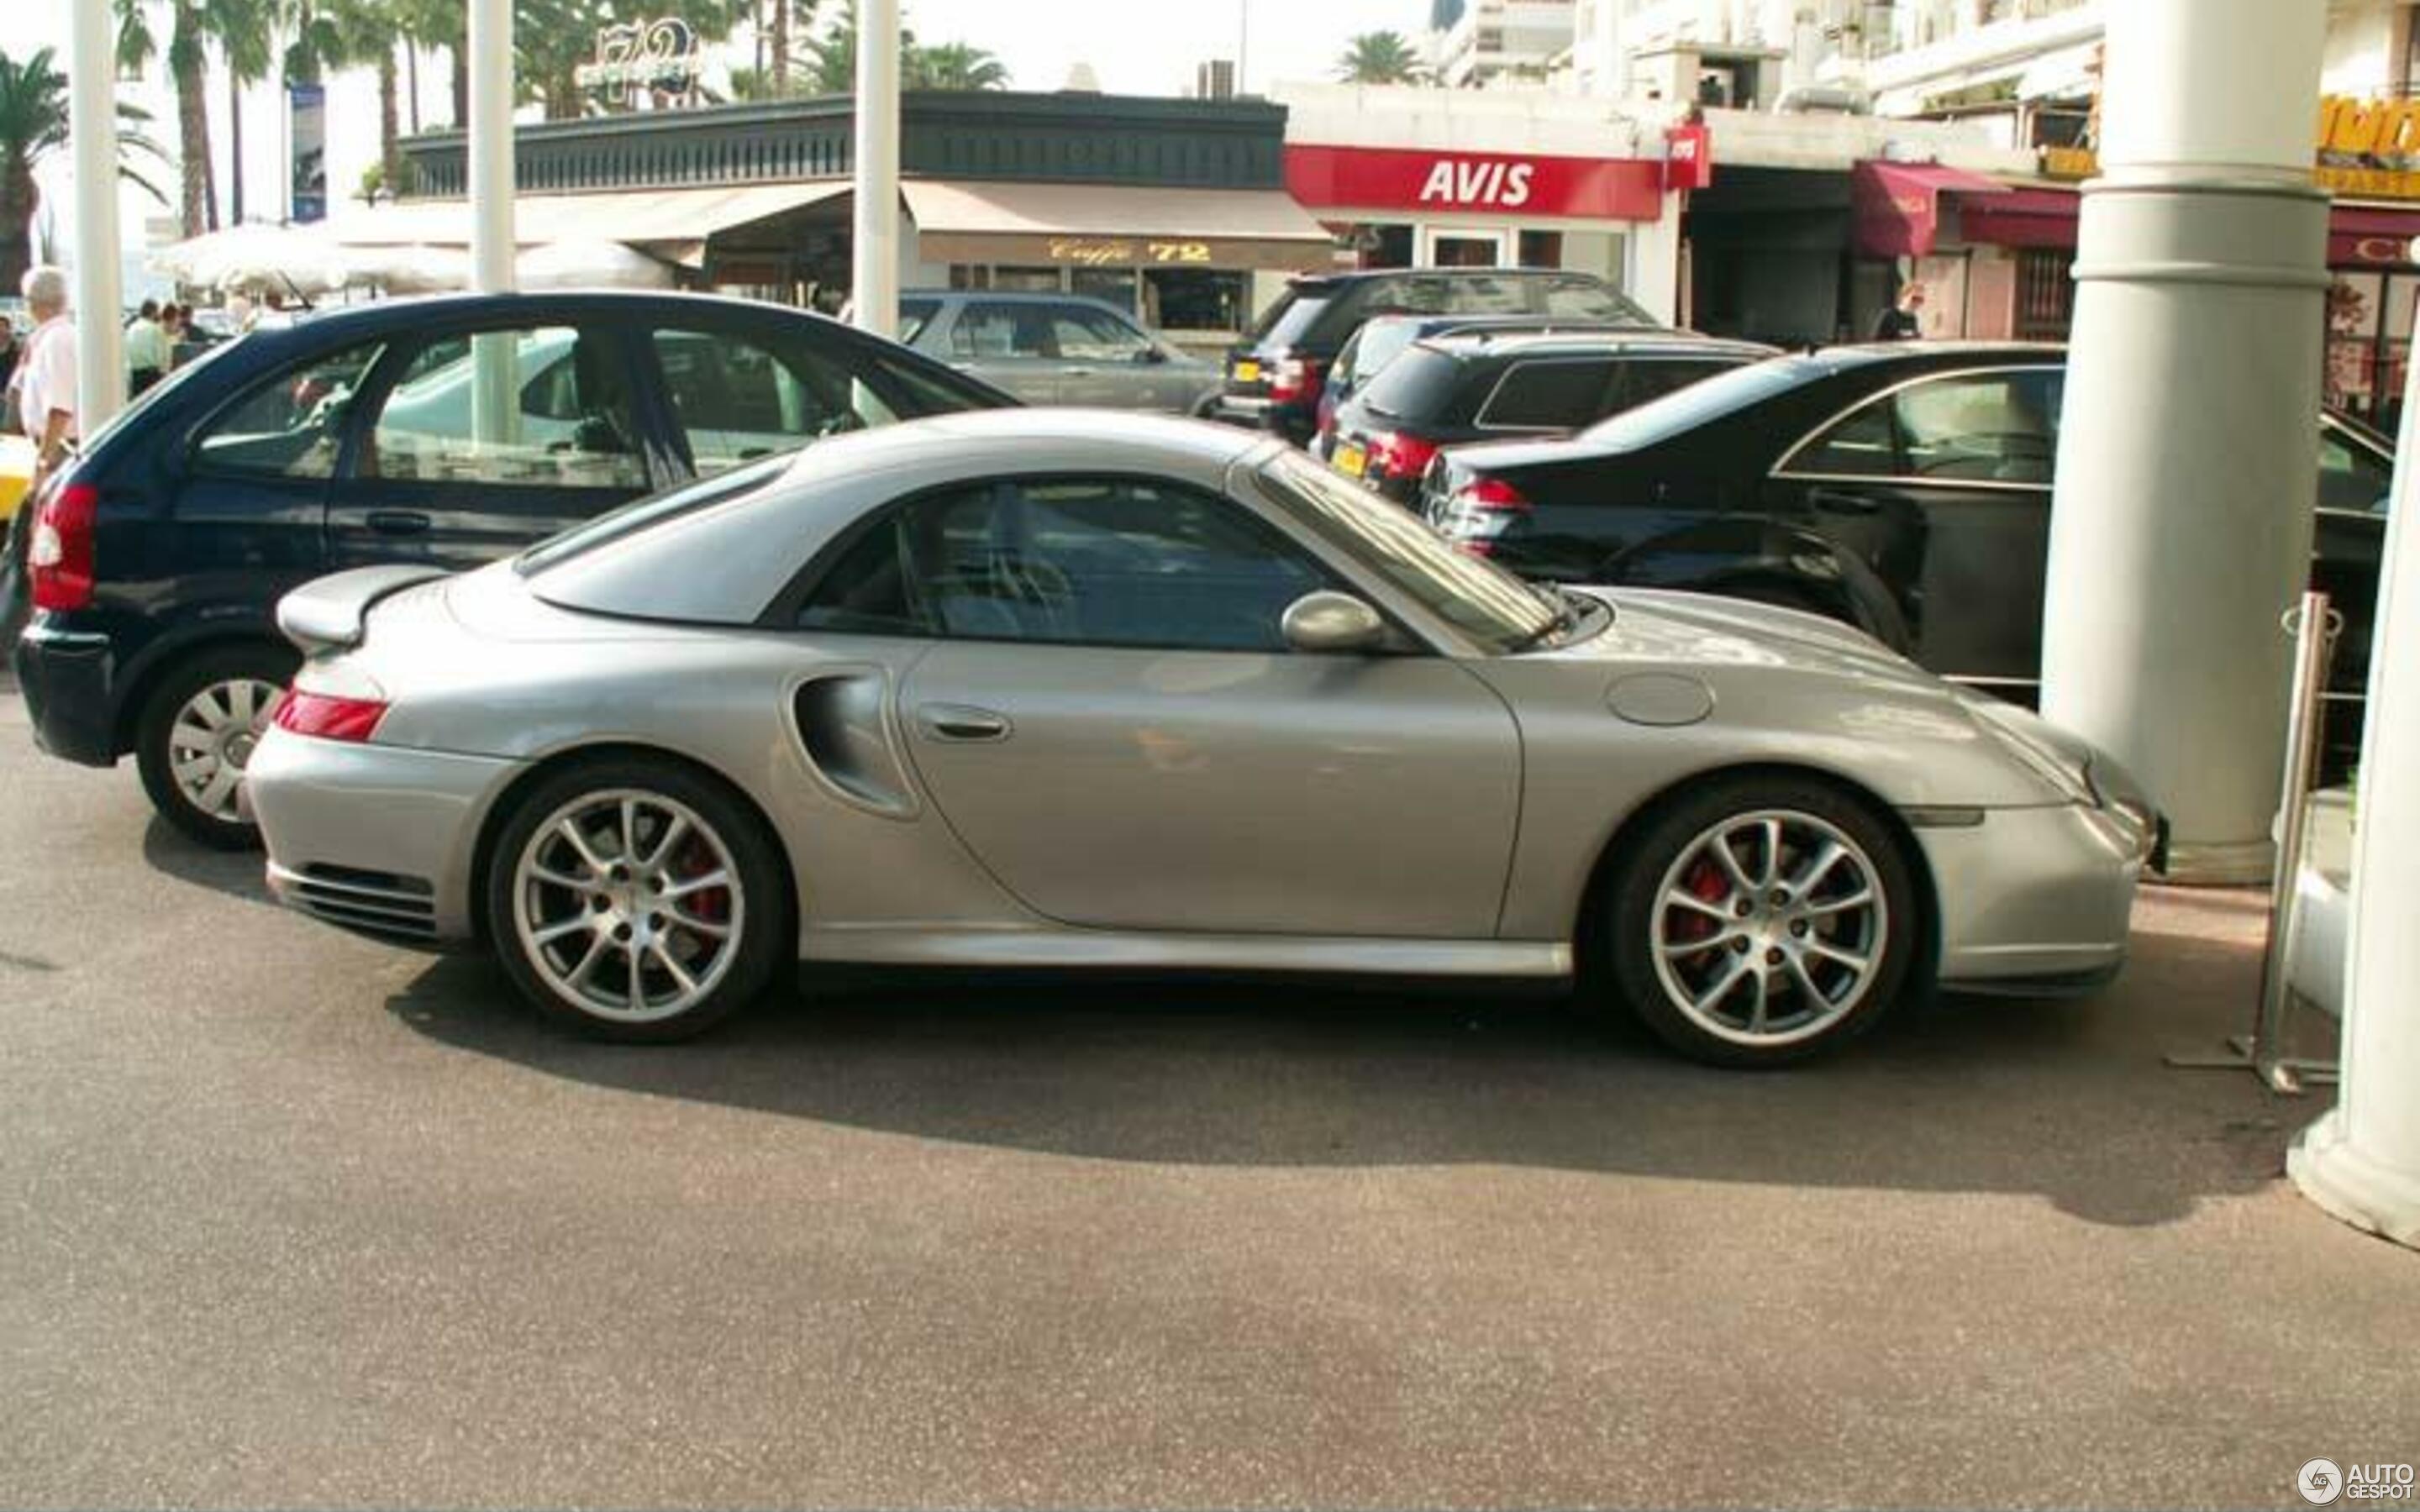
x,y
1454,182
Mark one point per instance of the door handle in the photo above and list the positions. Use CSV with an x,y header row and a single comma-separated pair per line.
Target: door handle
x,y
1074,372
1832,500
398,522
962,722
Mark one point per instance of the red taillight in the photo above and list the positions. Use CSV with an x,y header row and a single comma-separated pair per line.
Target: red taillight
x,y
1393,454
1294,378
1479,511
58,559
327,716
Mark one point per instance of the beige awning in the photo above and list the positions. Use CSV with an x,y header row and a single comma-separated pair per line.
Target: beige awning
x,y
671,222
1112,225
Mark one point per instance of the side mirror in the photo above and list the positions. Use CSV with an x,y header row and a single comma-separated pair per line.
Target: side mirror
x,y
1151,357
1327,621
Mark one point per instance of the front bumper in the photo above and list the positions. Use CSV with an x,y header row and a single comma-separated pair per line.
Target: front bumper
x,y
377,838
69,679
2035,899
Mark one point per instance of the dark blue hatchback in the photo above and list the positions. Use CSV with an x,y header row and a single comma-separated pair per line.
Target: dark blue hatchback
x,y
448,431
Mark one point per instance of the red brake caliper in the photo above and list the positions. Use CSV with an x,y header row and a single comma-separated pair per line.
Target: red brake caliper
x,y
712,905
1705,883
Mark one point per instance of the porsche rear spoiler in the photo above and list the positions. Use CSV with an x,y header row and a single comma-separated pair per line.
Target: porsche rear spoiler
x,y
327,613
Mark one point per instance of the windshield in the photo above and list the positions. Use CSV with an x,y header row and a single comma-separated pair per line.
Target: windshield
x,y
643,513
1684,408
1495,609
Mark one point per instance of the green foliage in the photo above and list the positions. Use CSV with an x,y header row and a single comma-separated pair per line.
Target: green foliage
x,y
33,125
1380,57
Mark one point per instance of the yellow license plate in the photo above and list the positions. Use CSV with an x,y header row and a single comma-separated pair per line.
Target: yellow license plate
x,y
1247,372
1351,461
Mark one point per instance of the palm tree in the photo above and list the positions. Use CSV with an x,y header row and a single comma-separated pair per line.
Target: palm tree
x,y
831,58
33,125
1379,57
953,66
243,29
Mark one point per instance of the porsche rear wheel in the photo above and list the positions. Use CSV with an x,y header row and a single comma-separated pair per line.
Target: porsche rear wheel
x,y
636,900
1760,920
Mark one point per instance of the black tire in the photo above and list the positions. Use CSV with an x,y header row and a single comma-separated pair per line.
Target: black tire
x,y
156,735
1794,952
762,934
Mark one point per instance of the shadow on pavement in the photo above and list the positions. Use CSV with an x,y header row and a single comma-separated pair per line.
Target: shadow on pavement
x,y
2068,1100
236,873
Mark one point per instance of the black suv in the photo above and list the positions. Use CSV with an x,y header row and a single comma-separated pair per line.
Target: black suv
x,y
448,430
1273,376
1496,385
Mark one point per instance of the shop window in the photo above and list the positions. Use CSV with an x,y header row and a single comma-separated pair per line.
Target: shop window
x,y
1542,249
1196,299
1027,280
1110,286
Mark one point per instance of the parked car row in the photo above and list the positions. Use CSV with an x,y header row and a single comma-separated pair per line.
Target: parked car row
x,y
826,705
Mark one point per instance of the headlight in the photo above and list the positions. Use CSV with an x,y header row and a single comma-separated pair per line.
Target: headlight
x,y
2056,757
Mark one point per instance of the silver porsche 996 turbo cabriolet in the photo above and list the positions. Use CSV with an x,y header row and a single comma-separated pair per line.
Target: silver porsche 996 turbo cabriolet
x,y
1063,688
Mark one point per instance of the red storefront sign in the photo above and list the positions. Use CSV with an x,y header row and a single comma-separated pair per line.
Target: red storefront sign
x,y
1474,184
1688,158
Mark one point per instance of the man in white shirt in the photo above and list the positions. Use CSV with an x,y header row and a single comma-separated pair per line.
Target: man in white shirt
x,y
147,349
47,375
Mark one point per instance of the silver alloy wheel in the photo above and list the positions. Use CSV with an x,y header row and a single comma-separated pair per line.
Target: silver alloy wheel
x,y
211,739
1770,928
627,905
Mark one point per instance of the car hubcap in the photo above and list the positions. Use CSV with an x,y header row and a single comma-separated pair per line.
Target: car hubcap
x,y
1770,928
629,905
211,739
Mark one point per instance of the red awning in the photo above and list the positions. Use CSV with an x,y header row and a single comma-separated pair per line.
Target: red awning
x,y
1897,206
2374,236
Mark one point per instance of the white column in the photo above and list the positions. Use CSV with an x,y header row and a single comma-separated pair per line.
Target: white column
x,y
2361,1161
1654,273
92,124
874,271
490,148
495,416
2187,462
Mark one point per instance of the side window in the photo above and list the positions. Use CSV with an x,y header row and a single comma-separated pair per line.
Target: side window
x,y
1639,382
1095,336
1113,561
994,332
565,420
2351,479
738,399
1548,396
292,425
1993,427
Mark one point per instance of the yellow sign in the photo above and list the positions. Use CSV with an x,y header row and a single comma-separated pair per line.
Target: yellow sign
x,y
2382,136
1096,252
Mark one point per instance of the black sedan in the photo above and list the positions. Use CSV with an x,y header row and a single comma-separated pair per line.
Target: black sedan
x,y
1904,489
445,431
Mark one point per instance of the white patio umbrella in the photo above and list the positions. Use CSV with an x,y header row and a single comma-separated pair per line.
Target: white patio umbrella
x,y
589,264
257,260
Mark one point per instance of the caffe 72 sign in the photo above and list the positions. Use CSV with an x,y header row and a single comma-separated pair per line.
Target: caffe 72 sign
x,y
1474,184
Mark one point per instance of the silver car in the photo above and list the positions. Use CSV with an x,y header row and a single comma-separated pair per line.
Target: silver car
x,y
1073,688
1056,349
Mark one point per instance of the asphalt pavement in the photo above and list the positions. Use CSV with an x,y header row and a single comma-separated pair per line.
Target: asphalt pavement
x,y
291,1219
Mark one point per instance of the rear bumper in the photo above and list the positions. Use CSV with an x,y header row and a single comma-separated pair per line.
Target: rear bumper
x,y
2035,898
1297,423
68,679
377,838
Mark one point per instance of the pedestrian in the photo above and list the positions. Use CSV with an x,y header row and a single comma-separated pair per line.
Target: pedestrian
x,y
1899,322
147,349
46,375
172,331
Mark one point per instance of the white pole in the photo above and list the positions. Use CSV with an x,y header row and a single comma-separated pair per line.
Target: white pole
x,y
873,272
2362,1160
494,416
92,121
492,146
2187,455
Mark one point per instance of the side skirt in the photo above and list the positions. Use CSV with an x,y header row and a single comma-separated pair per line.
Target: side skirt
x,y
1009,947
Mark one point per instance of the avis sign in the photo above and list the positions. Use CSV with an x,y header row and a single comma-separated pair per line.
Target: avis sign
x,y
1375,179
